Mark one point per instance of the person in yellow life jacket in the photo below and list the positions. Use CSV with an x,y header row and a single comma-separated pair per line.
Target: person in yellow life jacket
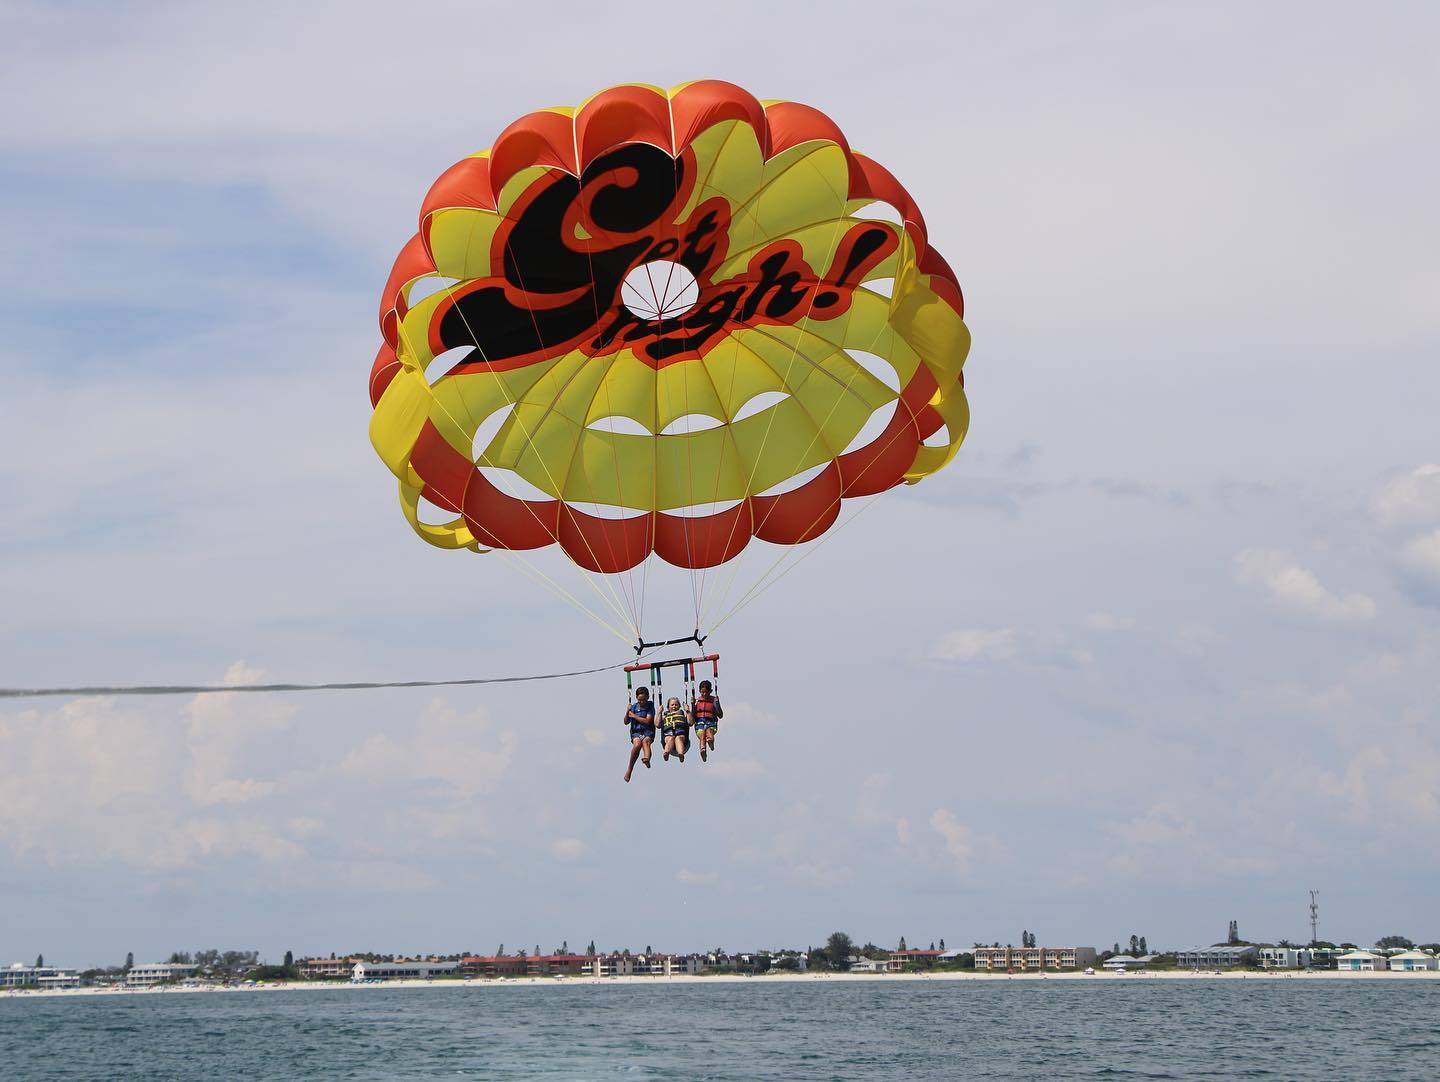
x,y
707,714
675,726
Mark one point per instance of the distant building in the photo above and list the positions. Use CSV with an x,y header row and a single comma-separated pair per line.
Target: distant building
x,y
1361,962
1414,961
156,972
950,958
870,965
369,971
321,968
1128,962
1285,958
1217,957
900,959
1027,958
23,976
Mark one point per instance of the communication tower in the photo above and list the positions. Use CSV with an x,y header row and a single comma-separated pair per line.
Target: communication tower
x,y
1314,916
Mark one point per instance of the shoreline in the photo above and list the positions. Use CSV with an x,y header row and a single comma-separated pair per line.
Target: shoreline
x,y
767,978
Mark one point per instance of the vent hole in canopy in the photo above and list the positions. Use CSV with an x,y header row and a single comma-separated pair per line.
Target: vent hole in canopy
x,y
488,430
760,403
691,422
871,429
444,363
619,425
662,289
878,367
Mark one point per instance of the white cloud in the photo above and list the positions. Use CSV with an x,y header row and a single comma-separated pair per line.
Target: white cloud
x,y
1420,558
974,644
698,879
734,769
1296,589
746,714
567,849
1412,498
596,738
1109,621
465,752
1192,638
959,840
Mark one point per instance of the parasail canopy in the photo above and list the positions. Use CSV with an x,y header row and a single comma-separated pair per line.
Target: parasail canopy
x,y
668,322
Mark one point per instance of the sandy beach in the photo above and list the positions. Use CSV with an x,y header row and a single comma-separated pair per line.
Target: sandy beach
x,y
1332,976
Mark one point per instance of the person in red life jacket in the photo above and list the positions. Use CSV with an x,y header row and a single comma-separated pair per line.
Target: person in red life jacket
x,y
641,719
675,726
707,713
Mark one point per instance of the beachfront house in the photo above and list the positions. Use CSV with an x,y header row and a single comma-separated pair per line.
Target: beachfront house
x,y
1027,958
900,959
1220,956
20,975
326,968
1361,962
1284,958
869,965
1414,961
157,973
380,971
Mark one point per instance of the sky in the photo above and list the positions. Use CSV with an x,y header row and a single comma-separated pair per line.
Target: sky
x,y
1157,651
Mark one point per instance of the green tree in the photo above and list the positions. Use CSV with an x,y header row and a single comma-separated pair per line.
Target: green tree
x,y
591,950
289,962
942,944
39,961
1143,948
1390,942
902,943
500,951
838,949
129,961
1134,944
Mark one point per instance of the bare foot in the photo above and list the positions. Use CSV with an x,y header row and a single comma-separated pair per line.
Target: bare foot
x,y
647,763
627,776
703,757
667,756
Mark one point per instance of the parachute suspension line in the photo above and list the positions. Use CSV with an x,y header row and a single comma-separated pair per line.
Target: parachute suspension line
x,y
629,604
785,381
554,587
760,585
612,600
536,575
750,480
638,610
790,552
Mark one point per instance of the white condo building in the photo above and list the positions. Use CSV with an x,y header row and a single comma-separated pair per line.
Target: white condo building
x,y
20,975
156,972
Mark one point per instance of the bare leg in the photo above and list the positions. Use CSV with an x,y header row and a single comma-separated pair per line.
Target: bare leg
x,y
634,754
645,743
681,746
669,746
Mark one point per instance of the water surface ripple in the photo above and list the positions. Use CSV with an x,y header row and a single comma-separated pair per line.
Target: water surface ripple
x,y
1022,1029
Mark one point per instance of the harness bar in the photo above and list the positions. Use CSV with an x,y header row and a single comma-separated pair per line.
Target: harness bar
x,y
654,668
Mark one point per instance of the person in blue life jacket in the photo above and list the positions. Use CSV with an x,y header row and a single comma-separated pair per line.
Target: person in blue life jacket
x,y
675,727
641,718
707,714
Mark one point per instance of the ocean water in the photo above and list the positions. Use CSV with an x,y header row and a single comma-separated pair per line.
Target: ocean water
x,y
993,1029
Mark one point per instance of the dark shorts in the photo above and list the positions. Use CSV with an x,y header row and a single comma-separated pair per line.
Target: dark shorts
x,y
679,730
704,726
642,732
